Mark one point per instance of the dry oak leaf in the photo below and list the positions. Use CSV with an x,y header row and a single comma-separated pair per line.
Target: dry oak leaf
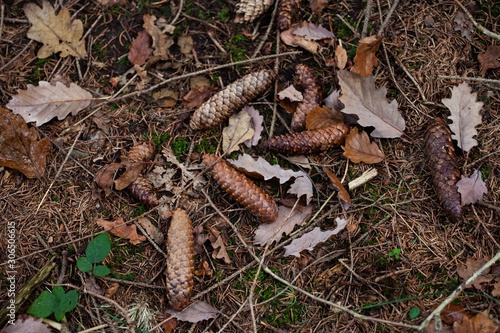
x,y
312,32
291,39
480,323
332,100
344,197
47,101
471,266
215,238
365,58
309,240
291,93
161,42
359,149
238,131
288,218
195,312
140,50
322,117
261,168
119,228
20,147
471,188
489,59
57,32
257,121
464,115
360,97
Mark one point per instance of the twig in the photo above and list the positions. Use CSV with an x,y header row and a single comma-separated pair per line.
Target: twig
x,y
457,291
16,56
479,26
386,20
2,11
263,41
133,283
179,11
64,263
465,78
226,324
347,24
95,328
368,13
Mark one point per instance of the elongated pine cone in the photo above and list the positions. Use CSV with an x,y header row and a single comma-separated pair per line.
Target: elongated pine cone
x,y
143,190
249,10
313,141
230,99
286,11
445,172
312,97
143,152
180,260
242,189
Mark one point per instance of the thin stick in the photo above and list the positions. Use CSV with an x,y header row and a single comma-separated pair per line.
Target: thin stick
x,y
479,26
457,291
347,24
2,9
16,56
478,79
386,20
368,13
179,11
268,31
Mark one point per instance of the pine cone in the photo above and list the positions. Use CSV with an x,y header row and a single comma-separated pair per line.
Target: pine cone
x,y
143,152
445,172
143,190
313,141
249,10
312,97
286,11
180,260
229,100
242,189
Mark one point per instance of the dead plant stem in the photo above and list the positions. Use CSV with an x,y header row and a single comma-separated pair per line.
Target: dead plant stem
x,y
368,14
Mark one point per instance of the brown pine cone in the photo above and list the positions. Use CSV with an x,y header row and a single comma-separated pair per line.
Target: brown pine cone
x,y
143,152
286,11
445,172
230,99
312,97
180,260
143,190
308,142
249,10
242,189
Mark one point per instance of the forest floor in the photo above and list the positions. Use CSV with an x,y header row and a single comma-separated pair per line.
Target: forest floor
x,y
396,261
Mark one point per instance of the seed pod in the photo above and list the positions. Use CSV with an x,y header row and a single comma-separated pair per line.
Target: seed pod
x,y
312,97
143,152
143,190
242,189
180,260
230,99
249,10
445,172
313,141
286,11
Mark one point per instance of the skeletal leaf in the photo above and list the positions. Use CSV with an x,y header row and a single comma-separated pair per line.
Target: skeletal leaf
x,y
196,312
119,228
343,195
140,49
47,101
284,224
471,188
249,10
227,101
58,33
238,131
443,165
257,121
312,32
359,149
308,142
311,96
361,98
286,11
365,58
488,59
180,260
465,115
20,147
242,189
309,240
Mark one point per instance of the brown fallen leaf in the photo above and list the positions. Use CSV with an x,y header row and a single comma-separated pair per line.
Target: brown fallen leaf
x,y
489,59
218,245
464,25
257,121
185,43
238,131
341,56
454,313
161,42
26,323
471,266
365,58
343,195
471,188
20,147
310,31
317,6
195,312
359,149
132,172
152,230
322,117
290,39
480,323
203,269
332,100
291,93
119,228
111,291
195,98
199,239
58,33
105,177
140,50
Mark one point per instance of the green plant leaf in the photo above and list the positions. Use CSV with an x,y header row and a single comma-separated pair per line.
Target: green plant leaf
x,y
58,292
65,303
414,313
44,305
101,270
84,264
98,248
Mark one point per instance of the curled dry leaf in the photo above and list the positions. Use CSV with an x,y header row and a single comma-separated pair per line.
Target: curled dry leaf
x,y
489,59
309,240
105,177
180,260
20,147
341,56
257,121
132,172
291,39
360,97
47,101
471,188
119,228
359,149
140,50
238,131
203,269
343,195
465,115
365,58
58,33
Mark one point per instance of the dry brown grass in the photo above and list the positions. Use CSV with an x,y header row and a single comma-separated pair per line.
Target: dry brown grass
x,y
396,210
